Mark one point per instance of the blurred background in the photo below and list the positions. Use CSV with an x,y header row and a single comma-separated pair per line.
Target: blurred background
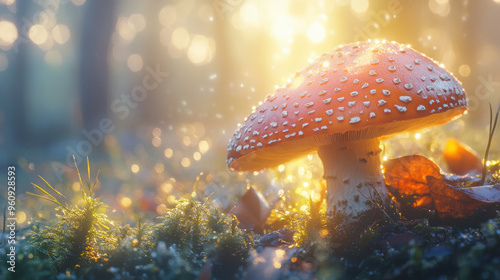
x,y
151,91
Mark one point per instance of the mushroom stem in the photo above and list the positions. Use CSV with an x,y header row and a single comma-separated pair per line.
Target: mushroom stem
x,y
353,176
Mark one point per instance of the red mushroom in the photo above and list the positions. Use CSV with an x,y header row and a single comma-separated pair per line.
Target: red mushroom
x,y
341,105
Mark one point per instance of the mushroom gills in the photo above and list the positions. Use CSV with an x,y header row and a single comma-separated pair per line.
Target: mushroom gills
x,y
353,176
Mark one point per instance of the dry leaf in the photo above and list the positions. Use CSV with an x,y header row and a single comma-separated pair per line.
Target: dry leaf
x,y
419,180
408,176
460,203
460,158
252,210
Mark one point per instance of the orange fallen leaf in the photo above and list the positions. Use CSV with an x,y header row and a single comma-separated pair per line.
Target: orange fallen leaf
x,y
460,203
408,176
461,159
419,180
252,210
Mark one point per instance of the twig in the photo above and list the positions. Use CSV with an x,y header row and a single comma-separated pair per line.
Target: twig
x,y
493,125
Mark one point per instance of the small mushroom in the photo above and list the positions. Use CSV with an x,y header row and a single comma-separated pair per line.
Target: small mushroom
x,y
342,105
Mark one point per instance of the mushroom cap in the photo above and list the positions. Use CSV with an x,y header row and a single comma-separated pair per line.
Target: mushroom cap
x,y
357,91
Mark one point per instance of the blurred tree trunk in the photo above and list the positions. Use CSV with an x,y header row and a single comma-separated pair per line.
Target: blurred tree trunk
x,y
99,22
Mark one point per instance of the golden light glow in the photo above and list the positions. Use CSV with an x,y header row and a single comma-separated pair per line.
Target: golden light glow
x,y
185,162
161,209
201,50
168,153
203,146
316,32
38,34
359,6
418,136
156,141
156,132
159,168
249,14
61,34
167,15
126,202
8,34
281,168
166,187
134,168
126,29
196,156
135,63
464,69
180,38
75,187
21,217
439,7
138,21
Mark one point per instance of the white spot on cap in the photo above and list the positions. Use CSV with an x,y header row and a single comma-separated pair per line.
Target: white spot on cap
x,y
375,61
381,102
318,119
386,92
391,58
340,118
284,113
405,99
392,68
420,108
355,120
336,89
408,86
340,99
309,104
329,112
372,115
274,124
372,73
354,93
301,133
397,81
387,111
324,127
343,79
379,80
341,109
303,94
373,91
418,61
409,67
283,106
326,101
355,81
400,108
351,103
365,85
323,81
367,103
430,67
259,144
444,77
305,124
238,148
323,92
311,112
255,133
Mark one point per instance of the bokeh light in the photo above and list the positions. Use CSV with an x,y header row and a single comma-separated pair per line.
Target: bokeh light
x,y
8,34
